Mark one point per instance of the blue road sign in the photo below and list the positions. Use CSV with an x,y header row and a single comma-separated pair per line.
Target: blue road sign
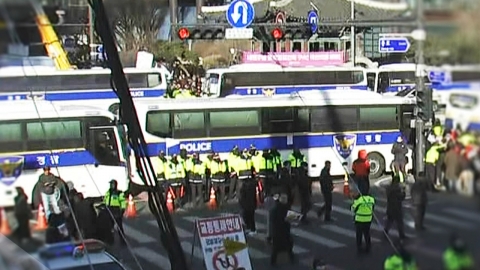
x,y
240,13
393,45
100,49
437,76
313,20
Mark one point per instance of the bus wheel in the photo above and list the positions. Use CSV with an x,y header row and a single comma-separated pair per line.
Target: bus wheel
x,y
115,109
377,164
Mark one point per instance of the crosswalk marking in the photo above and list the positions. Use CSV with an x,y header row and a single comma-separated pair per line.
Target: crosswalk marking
x,y
152,257
344,232
258,236
181,232
137,235
463,214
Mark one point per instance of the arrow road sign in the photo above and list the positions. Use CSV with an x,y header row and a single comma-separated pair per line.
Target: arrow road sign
x,y
313,20
240,14
437,76
393,45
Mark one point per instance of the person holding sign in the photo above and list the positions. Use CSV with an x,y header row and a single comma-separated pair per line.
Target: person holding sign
x,y
281,238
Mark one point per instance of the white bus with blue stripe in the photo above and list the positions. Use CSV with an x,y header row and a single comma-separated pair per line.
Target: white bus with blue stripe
x,y
325,124
464,77
271,79
463,110
80,144
393,78
89,86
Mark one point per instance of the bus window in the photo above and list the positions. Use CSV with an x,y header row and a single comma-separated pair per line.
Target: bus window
x,y
137,80
189,125
78,82
213,86
103,145
302,123
383,82
378,118
371,78
158,124
154,80
278,120
54,135
463,101
402,77
465,76
331,119
11,139
407,115
232,123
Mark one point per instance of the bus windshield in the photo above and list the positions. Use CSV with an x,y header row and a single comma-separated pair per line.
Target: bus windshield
x,y
212,84
465,76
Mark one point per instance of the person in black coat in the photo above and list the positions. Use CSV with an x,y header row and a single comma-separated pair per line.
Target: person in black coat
x,y
57,230
286,182
86,216
395,197
304,190
248,204
326,186
104,226
281,238
23,215
419,203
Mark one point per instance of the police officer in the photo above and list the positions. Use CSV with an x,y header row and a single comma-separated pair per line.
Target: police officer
x,y
419,203
270,170
196,178
400,151
296,158
244,167
234,182
304,187
175,176
277,160
161,166
402,260
361,170
395,197
457,257
363,207
431,159
115,201
326,186
217,168
259,165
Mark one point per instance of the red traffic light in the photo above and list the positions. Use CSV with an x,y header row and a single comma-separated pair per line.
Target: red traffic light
x,y
183,33
277,33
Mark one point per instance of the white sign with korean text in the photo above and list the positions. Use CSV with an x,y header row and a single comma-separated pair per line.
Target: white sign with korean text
x,y
212,232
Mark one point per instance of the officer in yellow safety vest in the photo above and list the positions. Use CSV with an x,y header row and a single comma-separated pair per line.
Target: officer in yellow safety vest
x,y
431,158
277,161
401,261
207,162
115,201
234,182
438,129
175,175
457,257
196,178
244,166
363,207
467,139
296,158
161,166
218,169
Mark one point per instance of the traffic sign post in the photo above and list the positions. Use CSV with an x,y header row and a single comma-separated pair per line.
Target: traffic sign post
x,y
437,76
313,20
240,14
393,45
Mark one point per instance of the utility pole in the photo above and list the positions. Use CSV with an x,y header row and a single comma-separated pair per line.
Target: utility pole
x,y
352,32
420,36
91,29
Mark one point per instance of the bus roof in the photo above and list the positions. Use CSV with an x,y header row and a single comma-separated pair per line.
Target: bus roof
x,y
271,67
399,67
28,110
306,98
20,72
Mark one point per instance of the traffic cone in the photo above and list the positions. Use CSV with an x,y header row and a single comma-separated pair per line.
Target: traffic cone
x,y
131,208
5,228
41,219
212,204
346,187
170,206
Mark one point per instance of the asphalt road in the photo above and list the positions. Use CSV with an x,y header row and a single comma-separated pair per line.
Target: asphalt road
x,y
334,242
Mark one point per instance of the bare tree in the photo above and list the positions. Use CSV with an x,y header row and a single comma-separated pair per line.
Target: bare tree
x,y
136,23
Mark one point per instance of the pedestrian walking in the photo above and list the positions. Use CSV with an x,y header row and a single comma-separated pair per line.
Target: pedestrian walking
x,y
23,214
395,197
361,170
419,203
281,237
248,205
326,186
363,207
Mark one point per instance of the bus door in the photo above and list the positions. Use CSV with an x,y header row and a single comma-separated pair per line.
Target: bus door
x,y
104,144
383,82
372,81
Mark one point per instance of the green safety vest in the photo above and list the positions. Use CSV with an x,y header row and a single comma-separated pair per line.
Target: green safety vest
x,y
466,139
115,200
296,162
438,130
217,167
455,261
363,208
243,164
196,167
175,171
232,162
432,154
259,162
277,160
395,262
270,164
161,166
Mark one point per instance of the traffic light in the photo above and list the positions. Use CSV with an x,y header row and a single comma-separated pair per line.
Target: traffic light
x,y
425,104
201,32
285,32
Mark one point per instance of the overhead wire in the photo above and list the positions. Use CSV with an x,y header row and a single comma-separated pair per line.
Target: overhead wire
x,y
156,201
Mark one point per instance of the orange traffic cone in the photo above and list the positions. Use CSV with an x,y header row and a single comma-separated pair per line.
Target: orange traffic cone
x,y
5,227
131,208
346,186
41,219
212,204
170,206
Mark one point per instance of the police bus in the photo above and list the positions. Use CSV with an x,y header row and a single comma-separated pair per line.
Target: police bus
x,y
464,77
90,86
324,124
392,78
271,79
80,144
463,110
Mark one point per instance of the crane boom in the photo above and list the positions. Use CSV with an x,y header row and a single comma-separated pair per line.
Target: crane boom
x,y
50,39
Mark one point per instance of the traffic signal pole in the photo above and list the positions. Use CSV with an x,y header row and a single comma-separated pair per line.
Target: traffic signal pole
x,y
420,86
